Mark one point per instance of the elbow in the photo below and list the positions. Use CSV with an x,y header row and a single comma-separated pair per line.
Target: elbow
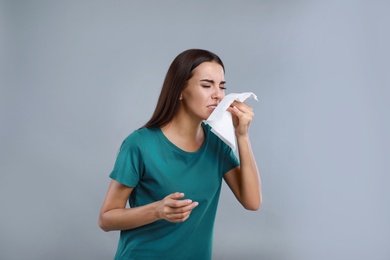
x,y
102,224
103,227
253,206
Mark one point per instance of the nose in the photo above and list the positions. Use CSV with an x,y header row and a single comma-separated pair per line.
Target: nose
x,y
218,94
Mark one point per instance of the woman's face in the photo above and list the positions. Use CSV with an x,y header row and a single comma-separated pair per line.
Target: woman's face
x,y
204,90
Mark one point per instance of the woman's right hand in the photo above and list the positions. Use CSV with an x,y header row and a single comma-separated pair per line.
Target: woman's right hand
x,y
115,216
174,208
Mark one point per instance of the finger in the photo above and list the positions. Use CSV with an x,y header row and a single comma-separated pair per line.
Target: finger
x,y
235,111
180,217
242,106
184,208
175,196
242,113
173,203
174,213
184,212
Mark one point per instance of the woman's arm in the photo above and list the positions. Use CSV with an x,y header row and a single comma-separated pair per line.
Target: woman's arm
x,y
244,180
115,216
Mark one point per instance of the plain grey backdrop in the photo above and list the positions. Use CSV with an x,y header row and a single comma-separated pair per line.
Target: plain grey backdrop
x,y
78,76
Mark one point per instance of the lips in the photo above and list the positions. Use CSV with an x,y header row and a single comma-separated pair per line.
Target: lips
x,y
213,106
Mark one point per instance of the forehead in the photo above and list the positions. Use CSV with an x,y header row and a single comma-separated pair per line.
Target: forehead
x,y
209,70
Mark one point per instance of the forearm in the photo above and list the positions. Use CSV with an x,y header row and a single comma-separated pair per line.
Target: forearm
x,y
128,218
250,184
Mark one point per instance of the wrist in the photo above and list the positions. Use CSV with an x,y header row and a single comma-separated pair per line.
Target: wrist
x,y
244,136
156,210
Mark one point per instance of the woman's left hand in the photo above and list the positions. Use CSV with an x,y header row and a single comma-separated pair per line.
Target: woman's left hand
x,y
242,115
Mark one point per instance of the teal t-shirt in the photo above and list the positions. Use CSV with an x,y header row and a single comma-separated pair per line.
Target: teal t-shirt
x,y
155,168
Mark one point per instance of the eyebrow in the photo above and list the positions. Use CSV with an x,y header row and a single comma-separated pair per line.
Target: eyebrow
x,y
212,81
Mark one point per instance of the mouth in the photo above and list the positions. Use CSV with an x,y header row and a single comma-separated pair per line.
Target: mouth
x,y
212,107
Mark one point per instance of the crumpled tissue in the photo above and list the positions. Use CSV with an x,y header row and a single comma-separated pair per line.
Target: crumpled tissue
x,y
220,119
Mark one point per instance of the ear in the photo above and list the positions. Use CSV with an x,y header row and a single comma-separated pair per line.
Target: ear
x,y
181,97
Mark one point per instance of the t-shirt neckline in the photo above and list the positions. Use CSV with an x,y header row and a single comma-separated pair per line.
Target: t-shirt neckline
x,y
176,148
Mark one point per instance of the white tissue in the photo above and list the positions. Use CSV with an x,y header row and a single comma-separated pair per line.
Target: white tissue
x,y
220,119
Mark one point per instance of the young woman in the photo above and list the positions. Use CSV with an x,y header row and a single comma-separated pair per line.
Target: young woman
x,y
171,169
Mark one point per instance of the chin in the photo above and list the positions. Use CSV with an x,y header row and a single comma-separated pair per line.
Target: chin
x,y
206,116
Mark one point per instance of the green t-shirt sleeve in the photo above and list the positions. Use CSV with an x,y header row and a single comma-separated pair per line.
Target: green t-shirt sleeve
x,y
128,165
230,160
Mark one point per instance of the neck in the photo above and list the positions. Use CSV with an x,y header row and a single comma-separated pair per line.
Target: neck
x,y
184,133
185,128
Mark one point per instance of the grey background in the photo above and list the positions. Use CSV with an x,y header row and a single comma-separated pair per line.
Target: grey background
x,y
78,76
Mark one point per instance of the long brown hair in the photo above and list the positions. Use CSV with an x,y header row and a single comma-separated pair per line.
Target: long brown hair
x,y
175,81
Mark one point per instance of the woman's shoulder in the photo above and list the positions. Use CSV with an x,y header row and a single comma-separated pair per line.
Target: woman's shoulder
x,y
144,131
140,136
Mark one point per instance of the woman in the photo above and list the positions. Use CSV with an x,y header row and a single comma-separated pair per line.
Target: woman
x,y
171,169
